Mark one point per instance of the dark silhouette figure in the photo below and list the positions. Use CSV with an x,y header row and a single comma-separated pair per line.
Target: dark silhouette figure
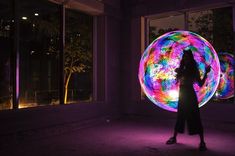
x,y
188,110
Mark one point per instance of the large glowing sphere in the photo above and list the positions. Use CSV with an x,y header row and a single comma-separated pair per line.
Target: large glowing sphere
x,y
157,66
225,89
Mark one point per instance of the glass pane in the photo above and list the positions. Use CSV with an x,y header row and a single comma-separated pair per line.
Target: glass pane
x,y
39,42
5,51
216,26
78,57
223,41
223,29
158,27
201,23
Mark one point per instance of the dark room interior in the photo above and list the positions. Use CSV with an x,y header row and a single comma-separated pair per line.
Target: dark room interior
x,y
69,82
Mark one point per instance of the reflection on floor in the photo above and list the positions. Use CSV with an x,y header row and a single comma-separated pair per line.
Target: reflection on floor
x,y
124,137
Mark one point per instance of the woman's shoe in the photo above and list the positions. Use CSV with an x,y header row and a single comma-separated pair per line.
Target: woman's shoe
x,y
171,141
202,146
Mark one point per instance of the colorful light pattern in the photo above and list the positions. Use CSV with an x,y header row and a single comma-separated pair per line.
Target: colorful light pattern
x,y
157,66
225,89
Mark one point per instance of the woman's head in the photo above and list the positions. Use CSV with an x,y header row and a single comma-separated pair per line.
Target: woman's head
x,y
188,57
188,65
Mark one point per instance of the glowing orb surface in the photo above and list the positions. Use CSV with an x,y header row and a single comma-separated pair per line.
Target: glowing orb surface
x,y
225,89
157,66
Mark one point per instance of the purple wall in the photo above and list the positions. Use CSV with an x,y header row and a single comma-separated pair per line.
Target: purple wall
x,y
150,7
43,117
112,74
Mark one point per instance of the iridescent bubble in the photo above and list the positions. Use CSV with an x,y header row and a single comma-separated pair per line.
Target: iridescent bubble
x,y
157,66
225,89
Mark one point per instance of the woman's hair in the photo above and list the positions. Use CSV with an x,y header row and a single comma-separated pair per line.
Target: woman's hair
x,y
189,64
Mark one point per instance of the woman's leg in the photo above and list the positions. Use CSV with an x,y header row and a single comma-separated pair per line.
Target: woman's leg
x,y
175,134
202,145
173,139
202,137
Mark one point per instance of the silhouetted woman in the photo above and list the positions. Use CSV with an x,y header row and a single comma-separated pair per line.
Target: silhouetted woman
x,y
188,110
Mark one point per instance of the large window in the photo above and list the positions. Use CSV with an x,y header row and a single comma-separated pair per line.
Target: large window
x,y
215,25
159,26
78,57
39,38
5,52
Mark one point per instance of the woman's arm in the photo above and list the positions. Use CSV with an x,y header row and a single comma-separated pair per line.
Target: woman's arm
x,y
202,81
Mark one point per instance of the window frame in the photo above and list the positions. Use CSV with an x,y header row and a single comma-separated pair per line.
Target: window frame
x,y
145,27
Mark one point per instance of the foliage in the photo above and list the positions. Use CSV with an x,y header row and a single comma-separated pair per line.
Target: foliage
x,y
215,26
78,48
201,23
153,33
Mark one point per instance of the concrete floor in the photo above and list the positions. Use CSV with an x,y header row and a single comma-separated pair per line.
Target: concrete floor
x,y
130,136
